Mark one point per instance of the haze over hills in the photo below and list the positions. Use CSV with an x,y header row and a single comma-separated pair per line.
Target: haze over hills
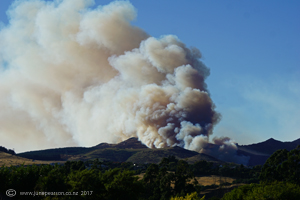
x,y
132,150
260,152
270,146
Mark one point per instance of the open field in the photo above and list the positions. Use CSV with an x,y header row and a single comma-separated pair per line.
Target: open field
x,y
206,180
210,180
219,191
8,160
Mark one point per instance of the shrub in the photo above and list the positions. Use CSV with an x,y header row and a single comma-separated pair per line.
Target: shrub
x,y
269,191
192,196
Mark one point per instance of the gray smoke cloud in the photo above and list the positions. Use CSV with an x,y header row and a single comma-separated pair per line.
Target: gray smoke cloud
x,y
72,75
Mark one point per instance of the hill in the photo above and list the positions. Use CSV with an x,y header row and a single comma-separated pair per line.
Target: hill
x,y
55,154
132,150
296,142
9,159
261,151
155,155
131,143
269,146
202,156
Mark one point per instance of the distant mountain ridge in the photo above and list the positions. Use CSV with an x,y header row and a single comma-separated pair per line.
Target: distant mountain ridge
x,y
296,142
261,151
271,145
132,150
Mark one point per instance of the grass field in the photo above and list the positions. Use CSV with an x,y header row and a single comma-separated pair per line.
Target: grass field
x,y
12,160
210,180
206,180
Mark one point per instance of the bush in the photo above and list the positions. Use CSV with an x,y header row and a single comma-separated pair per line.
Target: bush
x,y
275,190
192,196
283,165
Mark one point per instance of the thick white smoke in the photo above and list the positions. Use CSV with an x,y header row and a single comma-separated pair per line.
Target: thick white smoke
x,y
78,76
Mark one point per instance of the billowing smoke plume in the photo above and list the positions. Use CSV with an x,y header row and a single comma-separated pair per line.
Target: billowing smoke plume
x,y
78,76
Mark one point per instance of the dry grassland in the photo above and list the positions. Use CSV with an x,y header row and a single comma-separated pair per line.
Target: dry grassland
x,y
210,180
12,160
205,180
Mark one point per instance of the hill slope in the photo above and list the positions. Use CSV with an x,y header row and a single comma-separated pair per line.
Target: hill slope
x,y
269,146
9,159
132,150
131,143
155,155
261,151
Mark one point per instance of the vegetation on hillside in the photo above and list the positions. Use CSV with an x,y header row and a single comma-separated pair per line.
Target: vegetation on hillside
x,y
265,191
171,178
279,179
192,196
283,165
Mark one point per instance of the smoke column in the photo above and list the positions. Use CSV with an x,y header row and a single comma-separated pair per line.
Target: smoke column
x,y
72,76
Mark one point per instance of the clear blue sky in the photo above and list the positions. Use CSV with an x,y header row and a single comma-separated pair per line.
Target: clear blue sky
x,y
252,49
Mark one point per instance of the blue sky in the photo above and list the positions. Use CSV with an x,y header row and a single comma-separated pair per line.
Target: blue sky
x,y
252,50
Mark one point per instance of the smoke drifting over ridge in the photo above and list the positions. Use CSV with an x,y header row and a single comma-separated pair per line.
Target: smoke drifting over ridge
x,y
78,76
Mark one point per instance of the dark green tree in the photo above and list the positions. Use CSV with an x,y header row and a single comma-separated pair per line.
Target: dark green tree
x,y
157,181
165,180
96,165
121,185
151,182
53,181
266,191
88,181
202,168
283,165
183,175
70,166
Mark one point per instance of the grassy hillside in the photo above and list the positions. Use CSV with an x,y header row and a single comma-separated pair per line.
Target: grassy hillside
x,y
117,155
202,156
155,155
55,154
269,146
9,159
130,150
